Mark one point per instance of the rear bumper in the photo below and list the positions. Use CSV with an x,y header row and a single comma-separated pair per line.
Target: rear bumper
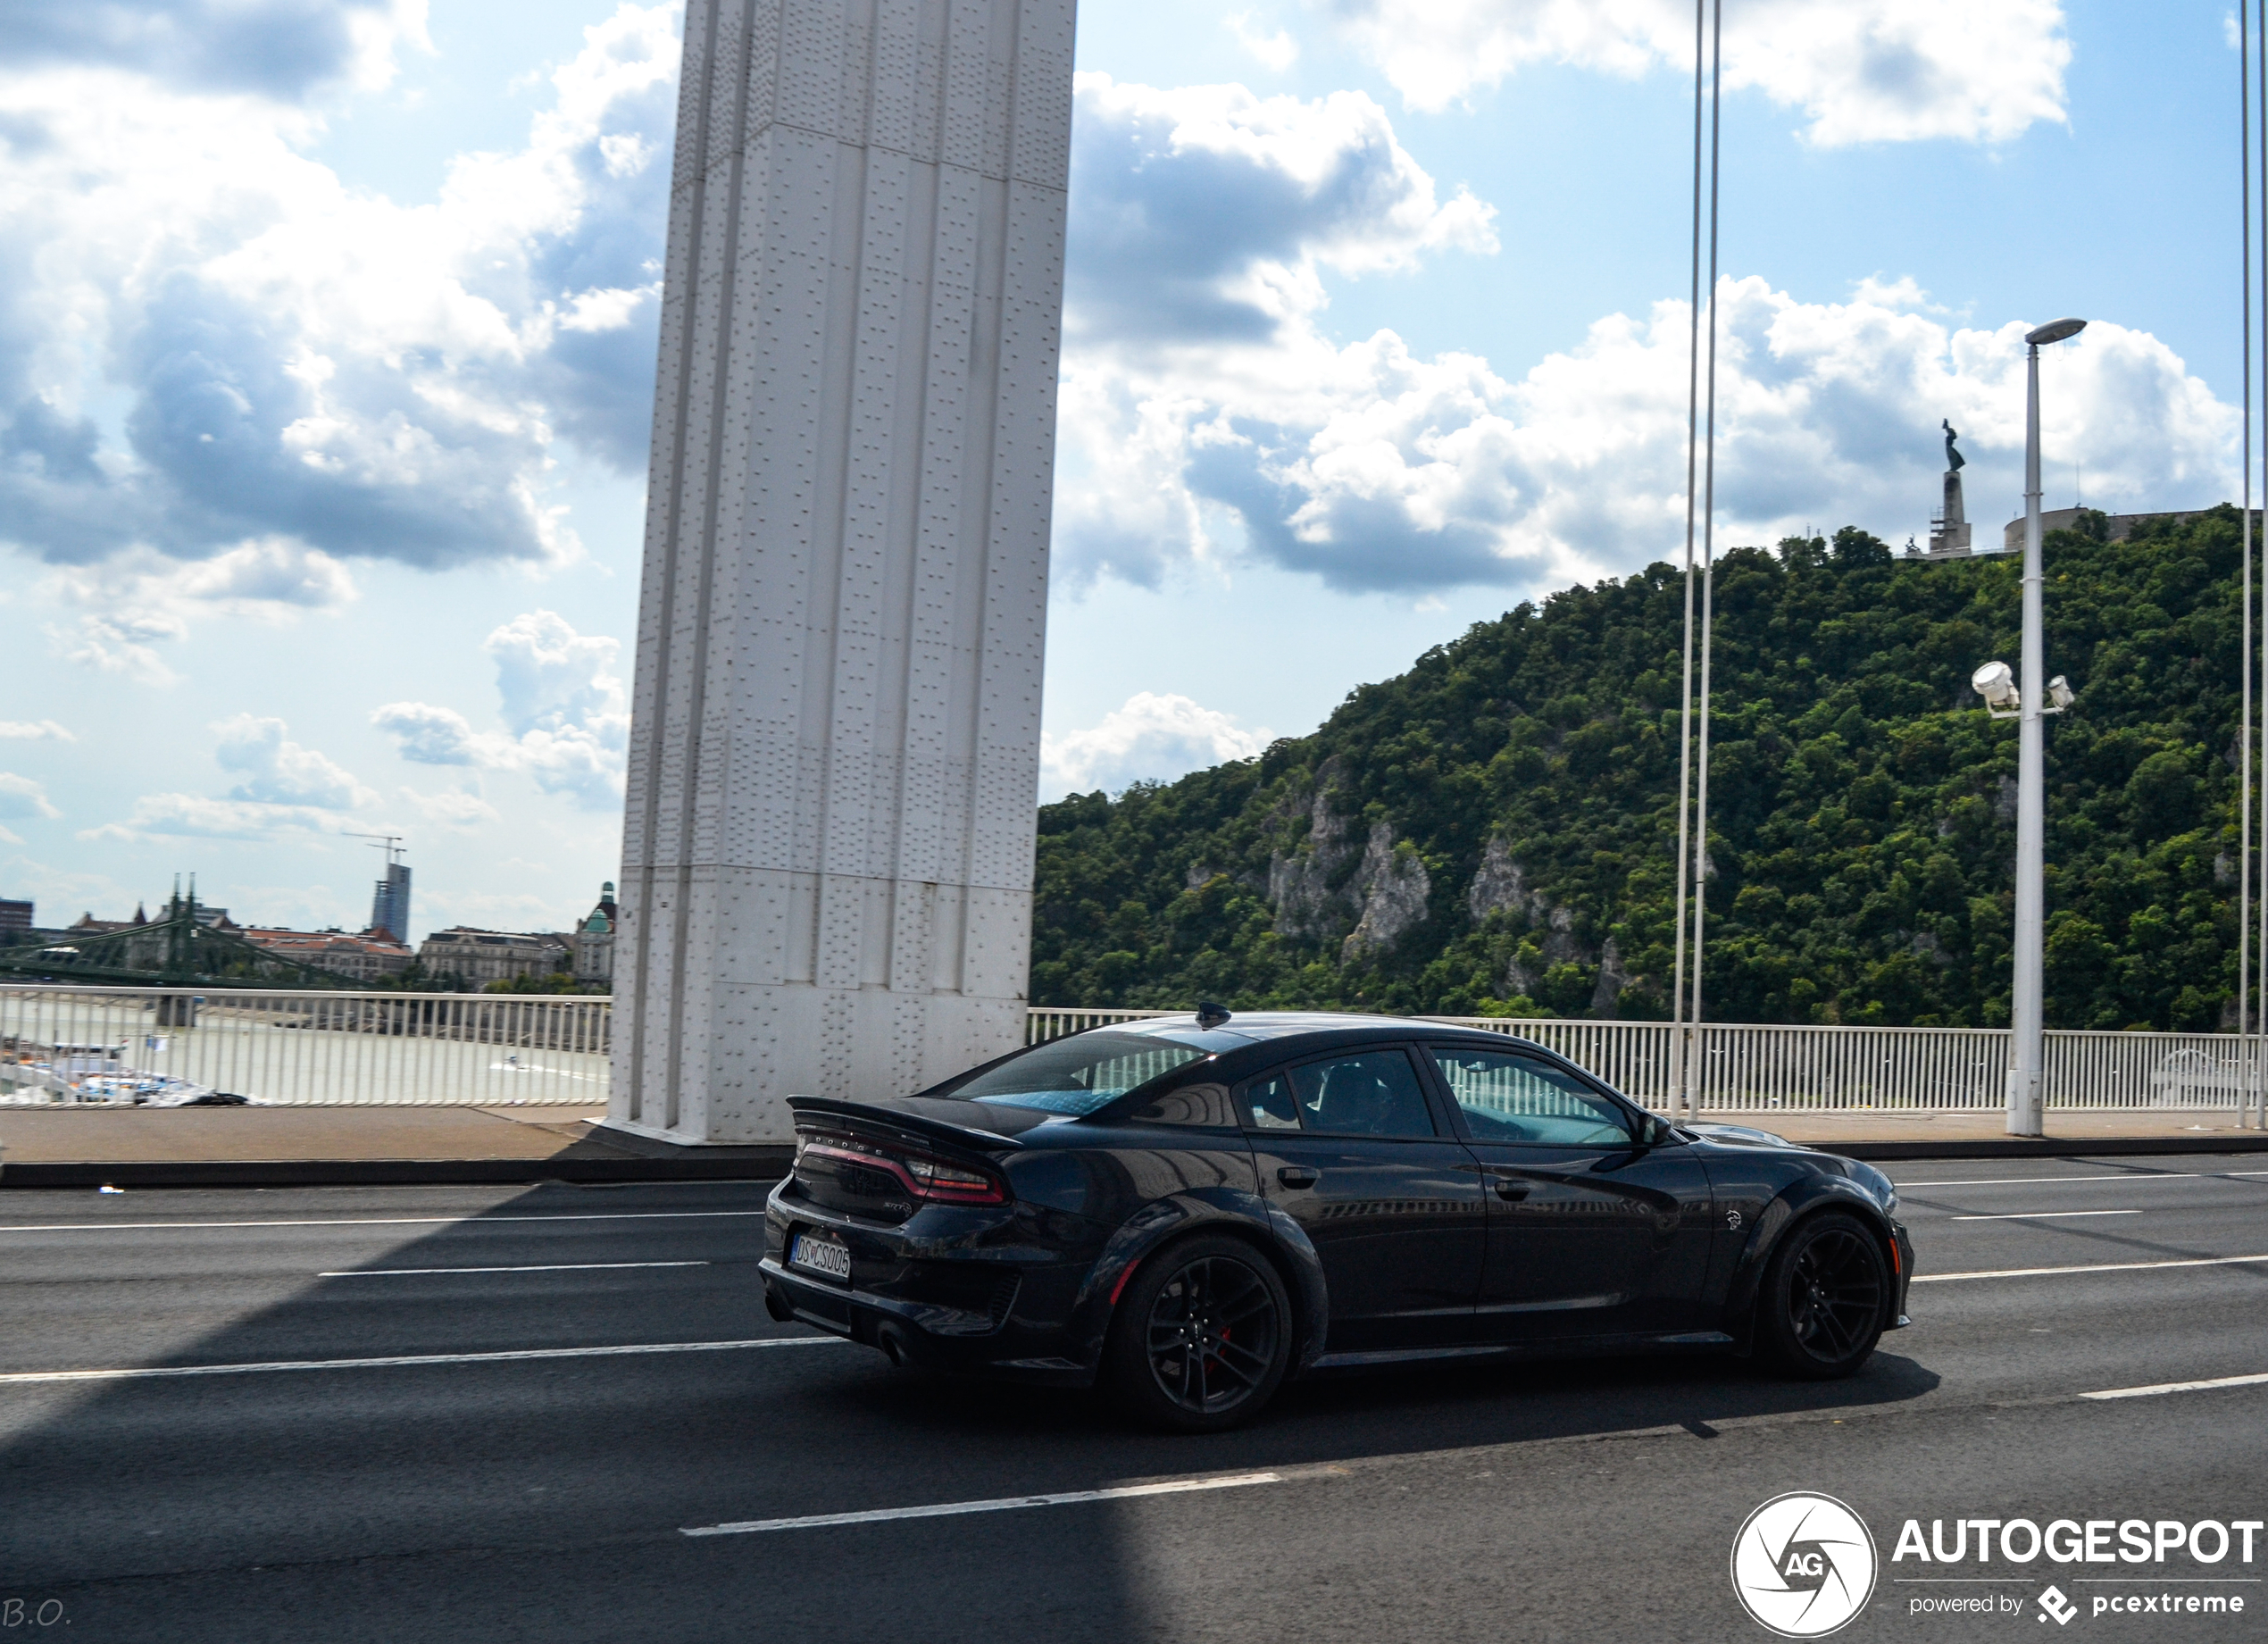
x,y
966,1291
903,1331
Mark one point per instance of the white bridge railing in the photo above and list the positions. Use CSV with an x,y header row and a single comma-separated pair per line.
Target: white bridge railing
x,y
164,1045
1750,1069
168,1045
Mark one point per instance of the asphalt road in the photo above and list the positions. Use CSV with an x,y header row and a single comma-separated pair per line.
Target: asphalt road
x,y
546,1497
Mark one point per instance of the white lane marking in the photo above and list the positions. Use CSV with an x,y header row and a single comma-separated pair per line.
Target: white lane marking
x,y
26,1377
2025,1181
2041,1216
1001,1504
2177,1387
2029,1273
470,1221
389,1272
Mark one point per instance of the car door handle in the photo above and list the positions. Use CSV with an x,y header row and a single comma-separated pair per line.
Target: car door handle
x,y
1298,1176
1511,1190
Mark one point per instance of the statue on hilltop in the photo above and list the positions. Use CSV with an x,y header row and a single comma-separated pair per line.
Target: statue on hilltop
x,y
1949,531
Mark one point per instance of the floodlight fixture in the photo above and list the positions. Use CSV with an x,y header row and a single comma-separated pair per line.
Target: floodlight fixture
x,y
2060,693
2055,331
1998,685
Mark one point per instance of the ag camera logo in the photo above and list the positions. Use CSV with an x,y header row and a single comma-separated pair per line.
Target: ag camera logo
x,y
1803,1566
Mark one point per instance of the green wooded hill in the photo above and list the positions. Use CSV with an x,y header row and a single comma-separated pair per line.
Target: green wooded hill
x,y
1494,831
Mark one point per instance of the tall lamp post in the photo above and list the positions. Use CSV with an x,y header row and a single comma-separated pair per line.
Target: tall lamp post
x,y
2022,699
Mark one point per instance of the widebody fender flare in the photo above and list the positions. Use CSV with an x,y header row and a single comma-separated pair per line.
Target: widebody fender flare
x,y
1799,1199
1223,1210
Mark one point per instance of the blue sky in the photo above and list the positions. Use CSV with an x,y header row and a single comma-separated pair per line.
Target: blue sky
x,y
326,339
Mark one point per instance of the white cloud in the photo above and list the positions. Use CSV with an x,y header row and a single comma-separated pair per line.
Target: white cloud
x,y
33,731
283,789
138,599
1903,292
568,716
1861,71
550,676
21,798
278,770
458,811
431,736
1152,738
1203,211
121,644
301,359
61,890
282,49
192,815
1204,219
1277,50
1375,468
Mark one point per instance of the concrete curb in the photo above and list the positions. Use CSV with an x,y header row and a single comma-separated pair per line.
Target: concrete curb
x,y
762,1165
751,1164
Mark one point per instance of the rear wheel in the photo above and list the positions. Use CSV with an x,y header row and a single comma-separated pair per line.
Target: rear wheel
x,y
1201,1338
1821,1311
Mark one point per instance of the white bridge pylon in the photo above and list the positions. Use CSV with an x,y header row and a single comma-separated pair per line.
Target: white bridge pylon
x,y
826,883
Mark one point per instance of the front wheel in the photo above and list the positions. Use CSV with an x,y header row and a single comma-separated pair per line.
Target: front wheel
x,y
1201,1339
1822,1308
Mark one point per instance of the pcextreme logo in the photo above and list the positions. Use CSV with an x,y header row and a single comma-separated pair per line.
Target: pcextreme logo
x,y
1803,1565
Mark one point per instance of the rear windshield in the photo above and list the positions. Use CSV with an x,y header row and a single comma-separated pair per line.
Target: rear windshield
x,y
1078,1075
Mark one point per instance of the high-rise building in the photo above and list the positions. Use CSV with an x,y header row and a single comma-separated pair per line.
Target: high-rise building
x,y
390,907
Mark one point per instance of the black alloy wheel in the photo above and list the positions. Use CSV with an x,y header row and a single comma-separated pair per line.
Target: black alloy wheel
x,y
1201,1338
1821,1310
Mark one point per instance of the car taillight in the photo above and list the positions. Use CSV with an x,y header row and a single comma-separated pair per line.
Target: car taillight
x,y
924,1175
952,1183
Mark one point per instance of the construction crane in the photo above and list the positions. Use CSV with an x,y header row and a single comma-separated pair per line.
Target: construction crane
x,y
390,906
391,844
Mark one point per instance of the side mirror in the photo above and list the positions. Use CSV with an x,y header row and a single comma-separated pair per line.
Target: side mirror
x,y
1657,1133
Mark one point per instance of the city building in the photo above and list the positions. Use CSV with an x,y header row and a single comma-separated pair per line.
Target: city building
x,y
87,924
594,941
16,920
478,958
367,958
2116,527
390,905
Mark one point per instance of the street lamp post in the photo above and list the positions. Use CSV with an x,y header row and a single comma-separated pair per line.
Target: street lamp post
x,y
2027,1048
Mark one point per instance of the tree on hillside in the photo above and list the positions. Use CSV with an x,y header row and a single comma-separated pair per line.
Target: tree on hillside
x,y
1494,831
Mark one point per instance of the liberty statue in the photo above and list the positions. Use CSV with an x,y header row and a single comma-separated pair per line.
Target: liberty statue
x,y
1949,531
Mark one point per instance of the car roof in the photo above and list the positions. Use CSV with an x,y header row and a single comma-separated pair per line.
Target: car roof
x,y
1262,1025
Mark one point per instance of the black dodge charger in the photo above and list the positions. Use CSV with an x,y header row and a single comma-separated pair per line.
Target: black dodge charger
x,y
1190,1209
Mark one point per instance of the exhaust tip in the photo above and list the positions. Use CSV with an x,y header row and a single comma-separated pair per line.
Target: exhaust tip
x,y
892,1342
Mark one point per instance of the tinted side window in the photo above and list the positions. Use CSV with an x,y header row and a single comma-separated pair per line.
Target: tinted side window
x,y
1506,1097
1267,1105
1200,1104
1376,1093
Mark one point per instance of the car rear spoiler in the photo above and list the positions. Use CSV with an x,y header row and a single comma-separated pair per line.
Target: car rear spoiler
x,y
906,1123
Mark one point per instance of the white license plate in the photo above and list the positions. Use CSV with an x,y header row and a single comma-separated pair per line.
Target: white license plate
x,y
821,1255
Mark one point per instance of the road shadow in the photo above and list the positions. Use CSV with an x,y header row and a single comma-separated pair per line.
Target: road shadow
x,y
545,1498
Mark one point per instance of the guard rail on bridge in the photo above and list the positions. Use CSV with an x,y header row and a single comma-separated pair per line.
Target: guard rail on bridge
x,y
65,1043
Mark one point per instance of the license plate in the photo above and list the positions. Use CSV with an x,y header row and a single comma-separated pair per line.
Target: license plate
x,y
821,1255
